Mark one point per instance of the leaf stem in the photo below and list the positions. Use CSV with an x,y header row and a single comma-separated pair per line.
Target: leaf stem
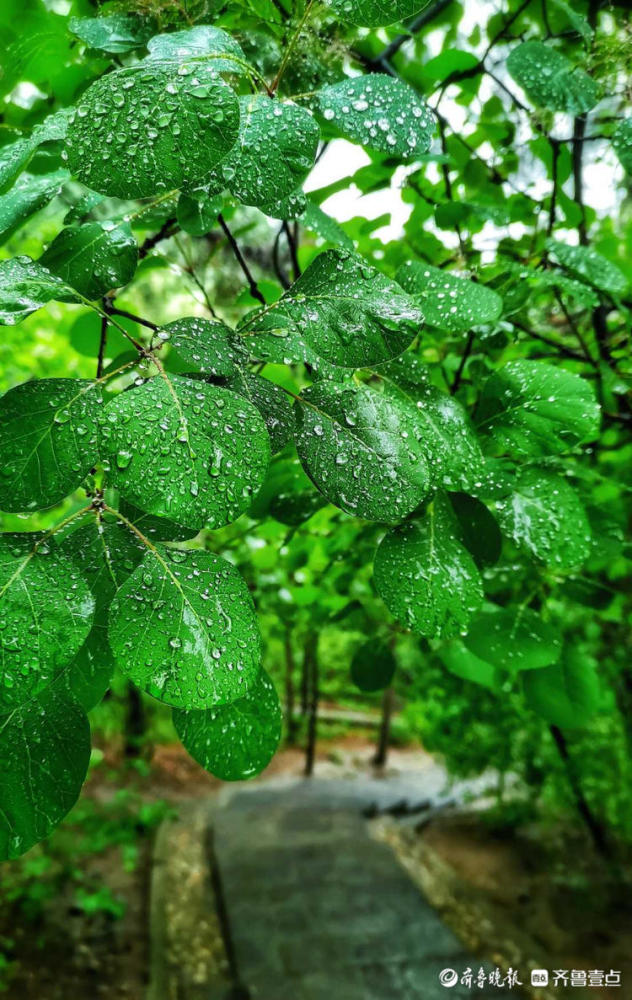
x,y
288,52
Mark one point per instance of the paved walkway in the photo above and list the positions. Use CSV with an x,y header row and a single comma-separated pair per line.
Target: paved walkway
x,y
318,910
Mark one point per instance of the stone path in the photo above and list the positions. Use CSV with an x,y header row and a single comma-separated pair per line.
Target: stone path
x,y
315,909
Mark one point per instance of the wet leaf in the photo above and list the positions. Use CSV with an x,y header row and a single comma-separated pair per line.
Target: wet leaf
x,y
513,639
363,449
46,612
93,258
222,52
152,127
550,80
26,286
274,153
545,516
590,266
48,441
532,408
372,13
446,435
622,144
567,694
185,450
88,676
208,346
373,666
426,578
15,157
381,113
197,212
271,401
324,226
156,529
116,33
447,301
183,628
458,659
44,757
341,310
478,529
27,196
287,494
235,741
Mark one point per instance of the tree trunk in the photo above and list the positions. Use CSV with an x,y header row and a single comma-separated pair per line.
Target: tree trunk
x,y
135,723
289,688
310,664
381,750
594,827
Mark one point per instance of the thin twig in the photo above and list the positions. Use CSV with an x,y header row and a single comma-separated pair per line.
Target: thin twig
x,y
103,339
252,284
137,319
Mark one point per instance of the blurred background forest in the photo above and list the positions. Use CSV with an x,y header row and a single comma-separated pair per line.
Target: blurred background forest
x,y
538,826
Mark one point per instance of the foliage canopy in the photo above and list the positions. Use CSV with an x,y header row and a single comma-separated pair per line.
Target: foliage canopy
x,y
454,402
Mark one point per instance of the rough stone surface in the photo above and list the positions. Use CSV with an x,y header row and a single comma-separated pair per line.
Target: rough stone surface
x,y
316,909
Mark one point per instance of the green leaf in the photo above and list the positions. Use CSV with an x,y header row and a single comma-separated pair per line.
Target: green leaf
x,y
274,153
93,258
380,113
106,551
26,286
89,674
14,157
622,143
478,529
224,53
341,310
235,741
287,494
46,612
291,207
566,694
116,33
271,401
373,666
532,408
513,639
448,62
185,450
373,13
363,449
550,80
447,301
324,226
197,212
576,20
48,441
151,128
545,516
444,430
85,336
27,196
156,529
426,578
458,659
590,266
44,757
208,346
183,628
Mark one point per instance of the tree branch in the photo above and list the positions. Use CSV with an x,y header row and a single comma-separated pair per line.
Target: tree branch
x,y
252,284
